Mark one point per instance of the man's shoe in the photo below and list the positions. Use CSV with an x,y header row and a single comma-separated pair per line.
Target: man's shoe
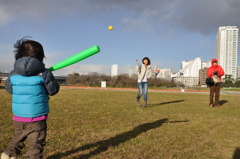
x,y
219,106
211,105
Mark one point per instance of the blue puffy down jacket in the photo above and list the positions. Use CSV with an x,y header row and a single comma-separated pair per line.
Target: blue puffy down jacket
x,y
30,92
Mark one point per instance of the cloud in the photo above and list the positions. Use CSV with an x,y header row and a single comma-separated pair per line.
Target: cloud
x,y
142,23
90,68
205,16
38,11
84,69
197,16
7,62
160,18
4,16
7,58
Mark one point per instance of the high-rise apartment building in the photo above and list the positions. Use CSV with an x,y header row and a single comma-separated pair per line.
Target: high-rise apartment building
x,y
189,73
238,72
227,49
164,73
191,68
114,70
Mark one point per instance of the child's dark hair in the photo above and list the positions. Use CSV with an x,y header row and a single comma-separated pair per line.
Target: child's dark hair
x,y
26,47
146,58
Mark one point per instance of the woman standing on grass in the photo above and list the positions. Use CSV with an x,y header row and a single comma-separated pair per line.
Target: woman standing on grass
x,y
144,73
217,71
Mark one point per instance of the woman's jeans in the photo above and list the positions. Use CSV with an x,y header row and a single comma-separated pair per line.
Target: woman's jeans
x,y
142,88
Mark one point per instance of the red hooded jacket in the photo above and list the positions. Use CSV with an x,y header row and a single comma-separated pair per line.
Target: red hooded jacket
x,y
213,68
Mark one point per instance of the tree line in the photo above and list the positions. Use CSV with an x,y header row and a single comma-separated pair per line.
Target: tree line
x,y
230,82
124,80
94,80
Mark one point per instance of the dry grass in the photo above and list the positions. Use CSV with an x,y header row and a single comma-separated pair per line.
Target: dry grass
x,y
107,124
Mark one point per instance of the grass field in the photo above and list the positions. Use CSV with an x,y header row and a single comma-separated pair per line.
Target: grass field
x,y
107,124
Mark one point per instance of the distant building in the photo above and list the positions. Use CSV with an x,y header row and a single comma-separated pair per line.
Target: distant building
x,y
238,68
114,70
191,68
206,64
3,77
131,72
187,81
202,76
176,74
62,80
227,49
164,73
155,72
189,74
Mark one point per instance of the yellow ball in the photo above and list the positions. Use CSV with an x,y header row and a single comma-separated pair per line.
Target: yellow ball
x,y
110,28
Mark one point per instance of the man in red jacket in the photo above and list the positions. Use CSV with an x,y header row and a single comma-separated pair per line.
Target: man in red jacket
x,y
217,70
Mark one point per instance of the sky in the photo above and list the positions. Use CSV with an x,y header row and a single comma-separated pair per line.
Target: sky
x,y
166,31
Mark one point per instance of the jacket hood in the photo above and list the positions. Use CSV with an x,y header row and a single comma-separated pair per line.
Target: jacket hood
x,y
28,66
213,61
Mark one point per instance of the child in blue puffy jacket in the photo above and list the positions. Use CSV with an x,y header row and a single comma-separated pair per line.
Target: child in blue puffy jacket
x,y
30,84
